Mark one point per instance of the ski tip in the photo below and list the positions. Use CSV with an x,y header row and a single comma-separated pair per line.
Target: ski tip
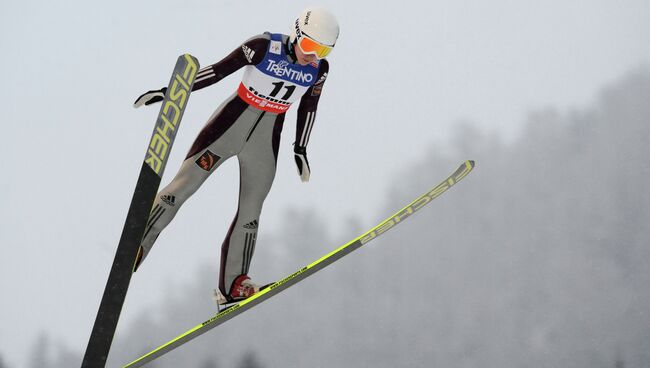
x,y
190,59
467,165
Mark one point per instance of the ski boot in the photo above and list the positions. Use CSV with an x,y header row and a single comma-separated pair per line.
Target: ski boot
x,y
242,288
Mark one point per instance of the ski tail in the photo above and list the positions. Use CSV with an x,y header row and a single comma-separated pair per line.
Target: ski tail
x,y
146,188
308,270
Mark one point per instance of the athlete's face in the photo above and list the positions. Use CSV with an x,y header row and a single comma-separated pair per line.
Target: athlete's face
x,y
302,58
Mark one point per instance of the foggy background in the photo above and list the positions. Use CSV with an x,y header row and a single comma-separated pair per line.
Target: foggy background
x,y
539,258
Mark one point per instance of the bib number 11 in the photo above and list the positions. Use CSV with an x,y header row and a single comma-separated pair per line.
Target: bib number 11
x,y
278,87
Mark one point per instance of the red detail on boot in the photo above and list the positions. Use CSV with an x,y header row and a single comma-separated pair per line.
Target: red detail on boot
x,y
241,290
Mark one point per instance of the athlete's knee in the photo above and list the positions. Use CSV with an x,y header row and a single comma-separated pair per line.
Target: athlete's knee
x,y
255,192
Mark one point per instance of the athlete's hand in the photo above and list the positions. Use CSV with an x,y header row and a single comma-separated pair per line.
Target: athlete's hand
x,y
300,154
150,97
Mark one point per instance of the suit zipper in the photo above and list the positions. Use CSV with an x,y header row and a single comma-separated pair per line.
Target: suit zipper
x,y
255,125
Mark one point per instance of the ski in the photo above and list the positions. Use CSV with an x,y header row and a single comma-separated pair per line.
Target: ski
x,y
146,188
308,270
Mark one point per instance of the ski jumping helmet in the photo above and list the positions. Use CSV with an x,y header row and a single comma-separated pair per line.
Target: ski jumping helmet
x,y
315,32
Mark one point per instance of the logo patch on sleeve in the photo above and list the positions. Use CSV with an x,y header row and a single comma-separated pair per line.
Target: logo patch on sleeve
x,y
316,90
248,53
318,86
321,80
207,160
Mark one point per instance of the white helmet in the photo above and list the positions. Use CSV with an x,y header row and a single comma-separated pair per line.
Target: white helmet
x,y
315,24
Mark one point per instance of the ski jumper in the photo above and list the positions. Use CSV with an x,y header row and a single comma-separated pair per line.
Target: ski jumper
x,y
247,125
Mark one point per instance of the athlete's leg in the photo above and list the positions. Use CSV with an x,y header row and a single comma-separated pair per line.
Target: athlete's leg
x,y
257,163
219,139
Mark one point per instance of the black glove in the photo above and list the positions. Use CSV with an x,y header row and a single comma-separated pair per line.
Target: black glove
x,y
300,155
150,97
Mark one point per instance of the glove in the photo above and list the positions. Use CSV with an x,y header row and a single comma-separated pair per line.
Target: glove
x,y
300,155
150,97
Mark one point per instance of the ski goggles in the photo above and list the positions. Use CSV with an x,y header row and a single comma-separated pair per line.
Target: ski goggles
x,y
309,46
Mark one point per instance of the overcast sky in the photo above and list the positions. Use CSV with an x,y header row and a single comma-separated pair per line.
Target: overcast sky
x,y
402,74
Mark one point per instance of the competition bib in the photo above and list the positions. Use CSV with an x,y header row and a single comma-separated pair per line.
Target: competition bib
x,y
275,83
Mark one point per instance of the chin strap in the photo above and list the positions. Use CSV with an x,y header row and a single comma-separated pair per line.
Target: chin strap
x,y
291,50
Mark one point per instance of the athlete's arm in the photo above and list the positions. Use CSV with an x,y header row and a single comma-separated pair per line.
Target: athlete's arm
x,y
250,52
306,118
